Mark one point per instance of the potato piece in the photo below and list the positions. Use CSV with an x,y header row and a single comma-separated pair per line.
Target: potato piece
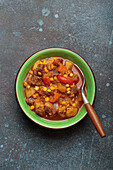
x,y
61,88
71,111
61,112
77,103
29,92
69,65
62,115
75,77
80,97
37,105
36,65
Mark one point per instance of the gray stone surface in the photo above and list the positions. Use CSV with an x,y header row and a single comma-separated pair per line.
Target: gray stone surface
x,y
83,26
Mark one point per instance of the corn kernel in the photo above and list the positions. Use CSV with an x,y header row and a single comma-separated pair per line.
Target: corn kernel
x,y
44,62
45,104
68,105
52,60
68,72
74,104
56,91
71,74
72,85
47,99
36,88
30,76
51,79
55,58
34,96
39,73
46,70
50,114
63,103
25,83
52,88
65,75
55,78
49,90
52,66
64,107
73,100
28,86
68,92
42,105
50,84
41,62
45,88
31,72
55,87
67,85
32,107
68,89
72,95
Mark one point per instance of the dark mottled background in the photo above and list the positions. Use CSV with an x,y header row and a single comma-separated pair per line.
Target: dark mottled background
x,y
83,26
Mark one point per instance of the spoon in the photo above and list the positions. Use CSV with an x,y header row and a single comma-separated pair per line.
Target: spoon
x,y
90,109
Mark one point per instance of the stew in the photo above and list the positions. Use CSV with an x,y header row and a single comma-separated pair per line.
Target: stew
x,y
51,88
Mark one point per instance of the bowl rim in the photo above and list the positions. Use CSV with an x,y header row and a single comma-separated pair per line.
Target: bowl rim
x,y
45,119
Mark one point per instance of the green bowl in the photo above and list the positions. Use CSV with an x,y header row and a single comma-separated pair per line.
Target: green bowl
x,y
53,52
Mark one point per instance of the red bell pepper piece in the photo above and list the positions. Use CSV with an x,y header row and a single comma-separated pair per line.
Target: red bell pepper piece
x,y
65,80
55,98
57,60
47,81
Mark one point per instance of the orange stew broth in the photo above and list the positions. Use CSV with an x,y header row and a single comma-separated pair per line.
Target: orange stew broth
x,y
51,89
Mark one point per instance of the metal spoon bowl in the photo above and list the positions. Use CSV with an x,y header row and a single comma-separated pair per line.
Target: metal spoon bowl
x,y
89,108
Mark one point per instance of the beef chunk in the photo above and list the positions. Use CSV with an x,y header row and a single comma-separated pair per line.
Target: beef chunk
x,y
35,72
49,93
54,73
35,80
48,107
30,101
40,67
40,111
74,90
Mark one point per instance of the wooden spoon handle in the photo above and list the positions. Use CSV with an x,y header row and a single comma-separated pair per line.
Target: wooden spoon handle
x,y
95,119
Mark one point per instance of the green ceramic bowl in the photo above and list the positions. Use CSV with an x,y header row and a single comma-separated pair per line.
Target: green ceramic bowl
x,y
51,52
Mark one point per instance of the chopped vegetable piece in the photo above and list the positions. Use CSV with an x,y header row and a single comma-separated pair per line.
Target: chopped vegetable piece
x,y
36,88
66,80
79,97
57,60
69,65
61,68
61,88
36,65
47,81
71,111
55,98
29,92
75,77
